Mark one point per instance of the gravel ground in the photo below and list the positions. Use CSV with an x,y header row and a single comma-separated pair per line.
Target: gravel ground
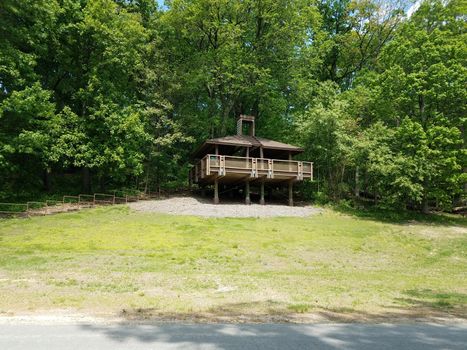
x,y
203,207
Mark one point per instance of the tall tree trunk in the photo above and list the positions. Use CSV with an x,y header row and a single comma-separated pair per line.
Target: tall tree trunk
x,y
425,207
357,182
86,177
225,117
146,182
47,179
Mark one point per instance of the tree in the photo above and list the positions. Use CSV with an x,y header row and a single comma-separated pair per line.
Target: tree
x,y
328,133
27,117
355,34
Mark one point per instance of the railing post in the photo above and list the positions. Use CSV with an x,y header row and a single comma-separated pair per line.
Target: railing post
x,y
208,165
254,168
270,169
202,167
221,165
300,171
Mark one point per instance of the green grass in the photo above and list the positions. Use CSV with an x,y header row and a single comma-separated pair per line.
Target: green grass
x,y
107,260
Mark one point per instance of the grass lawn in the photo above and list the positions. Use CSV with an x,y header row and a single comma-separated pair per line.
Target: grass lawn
x,y
334,265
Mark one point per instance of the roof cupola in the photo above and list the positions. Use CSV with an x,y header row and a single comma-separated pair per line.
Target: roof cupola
x,y
248,120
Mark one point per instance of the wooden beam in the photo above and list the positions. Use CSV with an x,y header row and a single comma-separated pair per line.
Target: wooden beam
x,y
290,161
261,200
291,193
247,192
216,191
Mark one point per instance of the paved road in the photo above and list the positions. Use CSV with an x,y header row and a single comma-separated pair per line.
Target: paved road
x,y
233,337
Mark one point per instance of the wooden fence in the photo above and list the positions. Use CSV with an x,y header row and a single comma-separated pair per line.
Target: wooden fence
x,y
69,203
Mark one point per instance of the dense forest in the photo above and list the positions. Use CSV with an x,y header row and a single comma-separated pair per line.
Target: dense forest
x,y
112,94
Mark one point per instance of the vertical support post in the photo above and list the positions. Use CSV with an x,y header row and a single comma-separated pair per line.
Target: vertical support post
x,y
261,155
254,167
270,169
208,164
290,161
221,171
216,191
261,200
291,193
247,192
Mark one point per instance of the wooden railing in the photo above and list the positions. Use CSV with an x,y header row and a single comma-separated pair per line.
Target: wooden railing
x,y
220,165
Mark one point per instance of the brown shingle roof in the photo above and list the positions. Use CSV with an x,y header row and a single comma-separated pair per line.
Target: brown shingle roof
x,y
247,141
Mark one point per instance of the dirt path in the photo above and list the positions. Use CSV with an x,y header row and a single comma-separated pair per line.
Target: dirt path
x,y
203,207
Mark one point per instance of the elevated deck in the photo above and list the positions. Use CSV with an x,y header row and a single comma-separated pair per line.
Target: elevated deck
x,y
230,169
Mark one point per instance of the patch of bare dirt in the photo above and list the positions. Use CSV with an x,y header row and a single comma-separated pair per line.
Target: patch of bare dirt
x,y
203,207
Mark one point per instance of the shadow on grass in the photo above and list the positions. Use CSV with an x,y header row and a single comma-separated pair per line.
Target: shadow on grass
x,y
232,326
424,304
402,217
453,303
275,325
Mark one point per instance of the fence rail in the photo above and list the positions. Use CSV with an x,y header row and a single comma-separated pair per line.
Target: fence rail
x,y
68,203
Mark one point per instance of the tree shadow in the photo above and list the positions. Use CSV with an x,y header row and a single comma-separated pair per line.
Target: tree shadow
x,y
425,319
416,305
402,217
452,303
285,336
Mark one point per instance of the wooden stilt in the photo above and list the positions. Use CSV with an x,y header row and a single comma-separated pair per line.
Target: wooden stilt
x,y
247,193
261,200
216,191
291,193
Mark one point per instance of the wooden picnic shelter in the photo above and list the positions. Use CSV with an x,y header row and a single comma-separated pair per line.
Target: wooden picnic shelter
x,y
247,159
